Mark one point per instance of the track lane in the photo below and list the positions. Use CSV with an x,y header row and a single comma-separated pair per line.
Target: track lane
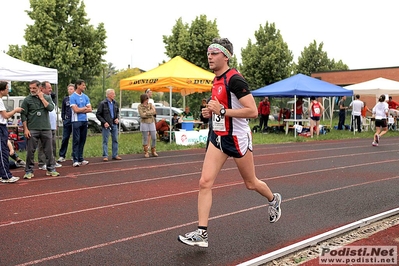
x,y
167,206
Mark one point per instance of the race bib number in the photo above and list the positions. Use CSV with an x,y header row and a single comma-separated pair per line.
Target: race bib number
x,y
218,122
317,110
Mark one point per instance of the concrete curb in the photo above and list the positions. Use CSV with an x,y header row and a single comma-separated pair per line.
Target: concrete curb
x,y
317,239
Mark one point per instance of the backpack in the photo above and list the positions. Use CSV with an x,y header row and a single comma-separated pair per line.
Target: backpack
x,y
256,129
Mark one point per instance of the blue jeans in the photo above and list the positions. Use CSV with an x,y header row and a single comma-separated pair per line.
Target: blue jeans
x,y
113,130
66,133
46,138
79,135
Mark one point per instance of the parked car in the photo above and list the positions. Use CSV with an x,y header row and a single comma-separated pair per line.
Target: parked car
x,y
135,105
94,125
130,119
166,112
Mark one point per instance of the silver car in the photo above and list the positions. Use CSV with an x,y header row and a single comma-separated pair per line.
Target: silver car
x,y
167,112
130,119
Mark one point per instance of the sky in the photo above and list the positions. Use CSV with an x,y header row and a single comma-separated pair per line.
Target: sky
x,y
363,34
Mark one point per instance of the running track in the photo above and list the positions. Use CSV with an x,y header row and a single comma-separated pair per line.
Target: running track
x,y
130,212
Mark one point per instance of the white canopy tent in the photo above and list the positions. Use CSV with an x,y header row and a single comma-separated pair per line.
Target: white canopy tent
x,y
13,69
375,87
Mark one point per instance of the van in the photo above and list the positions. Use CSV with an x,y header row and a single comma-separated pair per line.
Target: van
x,y
12,102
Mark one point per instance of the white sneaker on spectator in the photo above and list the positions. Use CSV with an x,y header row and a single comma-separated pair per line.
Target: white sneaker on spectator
x,y
12,179
61,160
43,167
76,164
58,165
84,162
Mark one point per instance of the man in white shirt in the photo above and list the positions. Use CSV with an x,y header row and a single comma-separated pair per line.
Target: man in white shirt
x,y
356,106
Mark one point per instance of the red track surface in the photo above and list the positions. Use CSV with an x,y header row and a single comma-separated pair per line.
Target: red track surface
x,y
130,212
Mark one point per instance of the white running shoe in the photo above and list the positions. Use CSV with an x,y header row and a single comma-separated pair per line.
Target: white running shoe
x,y
84,162
43,167
61,160
198,238
274,209
52,173
375,144
12,179
76,164
28,175
57,165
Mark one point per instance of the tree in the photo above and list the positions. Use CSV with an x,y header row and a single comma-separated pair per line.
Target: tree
x,y
62,38
128,97
314,59
191,43
268,59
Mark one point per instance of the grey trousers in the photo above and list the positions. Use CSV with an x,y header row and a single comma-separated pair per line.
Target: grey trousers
x,y
40,150
46,138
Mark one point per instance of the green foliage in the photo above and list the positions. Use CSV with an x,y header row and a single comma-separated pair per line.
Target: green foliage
x,y
268,59
128,97
314,59
191,42
62,38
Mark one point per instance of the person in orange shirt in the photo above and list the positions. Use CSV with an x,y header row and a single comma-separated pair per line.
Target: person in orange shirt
x,y
365,109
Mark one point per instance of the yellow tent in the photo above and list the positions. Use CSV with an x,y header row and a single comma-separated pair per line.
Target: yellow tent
x,y
176,75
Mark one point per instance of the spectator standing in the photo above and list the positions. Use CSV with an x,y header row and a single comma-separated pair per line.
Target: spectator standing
x,y
316,109
230,136
356,106
147,124
80,105
299,109
36,123
151,101
342,113
264,112
66,114
204,120
5,174
46,88
108,114
393,107
380,112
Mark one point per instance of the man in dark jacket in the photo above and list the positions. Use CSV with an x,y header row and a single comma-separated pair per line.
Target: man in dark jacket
x,y
108,114
66,115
